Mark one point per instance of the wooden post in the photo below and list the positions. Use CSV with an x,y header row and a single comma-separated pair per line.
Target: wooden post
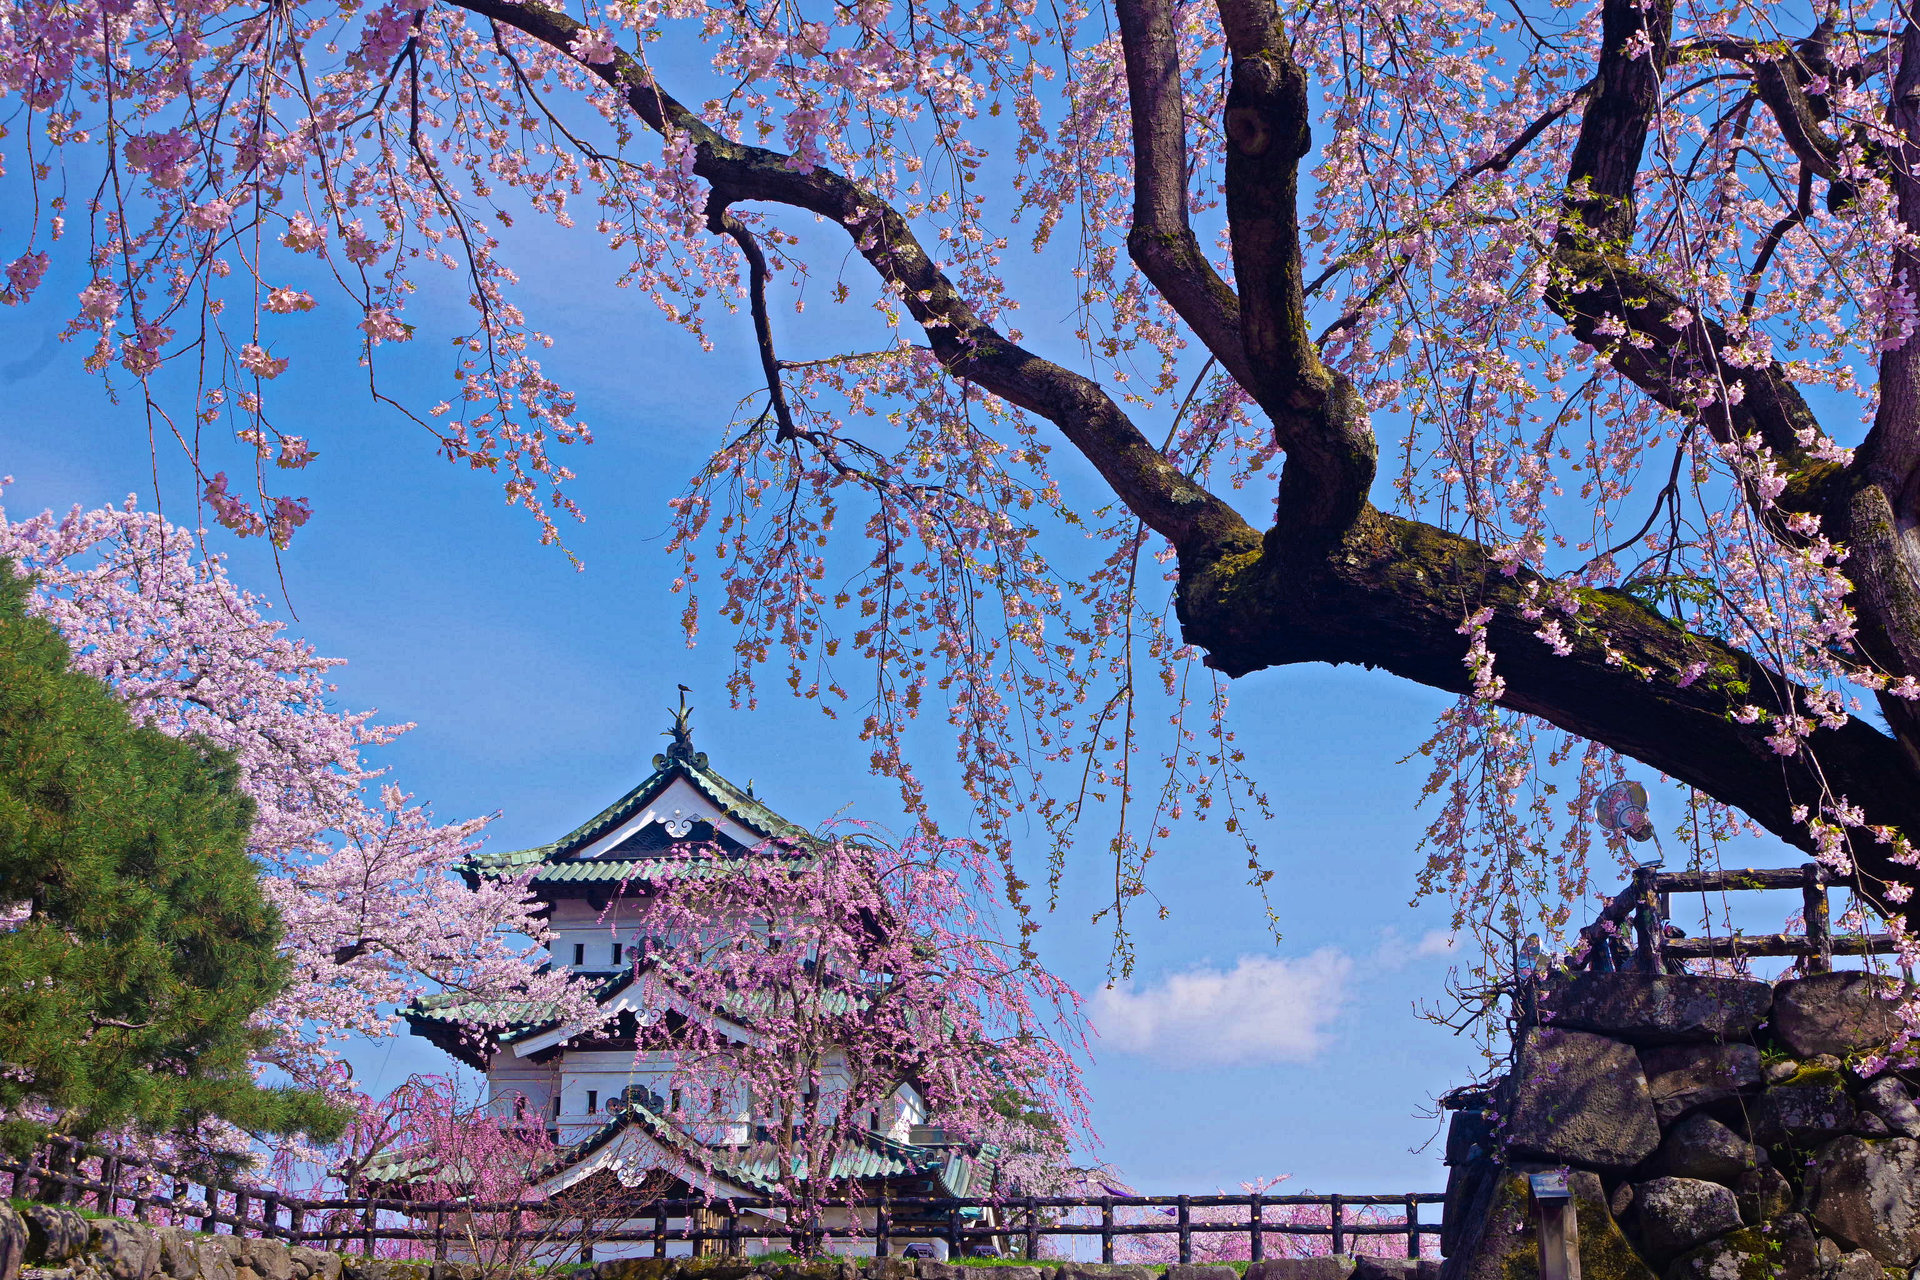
x,y
660,1232
882,1229
1186,1229
1033,1229
1559,1227
956,1247
1256,1236
1819,926
23,1175
1649,929
270,1214
1598,960
1106,1228
241,1203
297,1224
366,1242
1413,1226
1339,1228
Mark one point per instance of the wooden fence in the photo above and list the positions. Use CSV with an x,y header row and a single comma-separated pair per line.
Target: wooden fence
x,y
151,1191
1658,948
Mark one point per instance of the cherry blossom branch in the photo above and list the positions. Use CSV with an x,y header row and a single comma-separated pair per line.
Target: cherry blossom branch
x,y
719,219
1175,507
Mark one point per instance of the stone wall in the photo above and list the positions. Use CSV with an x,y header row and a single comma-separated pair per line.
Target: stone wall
x,y
47,1242
1718,1129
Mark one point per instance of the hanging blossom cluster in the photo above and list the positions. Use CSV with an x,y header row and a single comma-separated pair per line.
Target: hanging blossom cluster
x,y
892,540
1536,445
365,880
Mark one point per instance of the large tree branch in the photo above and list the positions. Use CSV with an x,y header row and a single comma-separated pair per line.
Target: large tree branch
x,y
1155,489
1335,580
1683,360
1161,240
1395,596
1883,507
1317,415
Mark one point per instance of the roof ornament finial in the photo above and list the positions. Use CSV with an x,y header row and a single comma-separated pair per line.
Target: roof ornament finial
x,y
681,748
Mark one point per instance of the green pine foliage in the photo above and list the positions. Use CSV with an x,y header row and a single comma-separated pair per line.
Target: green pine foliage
x,y
135,940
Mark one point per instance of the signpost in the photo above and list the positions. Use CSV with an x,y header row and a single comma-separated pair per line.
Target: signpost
x,y
1559,1228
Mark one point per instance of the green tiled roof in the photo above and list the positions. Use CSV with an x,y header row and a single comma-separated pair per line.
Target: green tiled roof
x,y
505,1018
611,870
678,761
867,1156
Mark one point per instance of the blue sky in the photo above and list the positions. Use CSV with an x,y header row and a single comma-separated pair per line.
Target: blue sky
x,y
540,692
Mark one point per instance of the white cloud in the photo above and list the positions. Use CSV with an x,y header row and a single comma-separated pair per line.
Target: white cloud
x,y
1395,953
1264,1009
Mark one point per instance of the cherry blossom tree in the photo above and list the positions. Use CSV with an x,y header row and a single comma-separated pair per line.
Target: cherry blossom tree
x,y
817,981
434,1140
364,879
1629,282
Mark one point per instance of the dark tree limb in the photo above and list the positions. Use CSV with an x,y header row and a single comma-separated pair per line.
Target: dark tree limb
x,y
1335,580
1882,513
1152,486
1317,416
1161,240
721,220
1394,597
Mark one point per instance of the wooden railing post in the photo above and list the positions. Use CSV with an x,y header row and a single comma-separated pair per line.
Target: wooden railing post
x,y
1413,1226
956,1246
1819,926
1339,1231
882,1229
1186,1229
1033,1229
731,1241
1256,1236
1106,1228
660,1231
1649,929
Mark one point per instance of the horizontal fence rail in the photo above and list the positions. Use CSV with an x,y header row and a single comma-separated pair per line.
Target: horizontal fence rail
x,y
1646,901
156,1192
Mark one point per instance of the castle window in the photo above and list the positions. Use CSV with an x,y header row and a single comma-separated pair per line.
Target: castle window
x,y
616,953
579,953
676,1100
593,1101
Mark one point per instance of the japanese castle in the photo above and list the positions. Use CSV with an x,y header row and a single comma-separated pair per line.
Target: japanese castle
x,y
613,1103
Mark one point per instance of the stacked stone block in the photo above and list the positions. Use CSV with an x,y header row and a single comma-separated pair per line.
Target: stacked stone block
x,y
1718,1129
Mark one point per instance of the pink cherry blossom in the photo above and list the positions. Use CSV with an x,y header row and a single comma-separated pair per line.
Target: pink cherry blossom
x,y
364,877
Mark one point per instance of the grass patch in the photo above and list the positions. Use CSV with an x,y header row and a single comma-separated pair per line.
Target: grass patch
x,y
20,1204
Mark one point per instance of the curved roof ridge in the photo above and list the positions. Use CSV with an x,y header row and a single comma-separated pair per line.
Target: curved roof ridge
x,y
678,761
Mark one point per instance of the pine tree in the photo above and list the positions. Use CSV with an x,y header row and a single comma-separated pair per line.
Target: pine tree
x,y
136,943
